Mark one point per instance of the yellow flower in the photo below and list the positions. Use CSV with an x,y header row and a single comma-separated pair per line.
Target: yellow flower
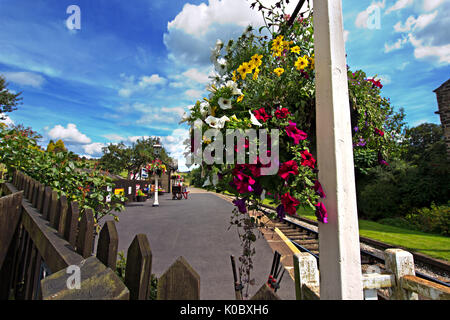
x,y
295,49
244,69
255,75
252,65
234,78
301,63
213,111
311,62
256,59
234,118
240,98
279,71
278,41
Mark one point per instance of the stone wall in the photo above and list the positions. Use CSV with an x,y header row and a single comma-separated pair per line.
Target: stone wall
x,y
443,99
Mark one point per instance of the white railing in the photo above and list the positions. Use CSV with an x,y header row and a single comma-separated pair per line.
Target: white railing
x,y
399,279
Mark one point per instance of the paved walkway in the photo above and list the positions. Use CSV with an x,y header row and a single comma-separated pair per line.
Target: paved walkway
x,y
196,229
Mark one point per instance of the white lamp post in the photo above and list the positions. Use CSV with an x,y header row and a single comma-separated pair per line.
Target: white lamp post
x,y
157,148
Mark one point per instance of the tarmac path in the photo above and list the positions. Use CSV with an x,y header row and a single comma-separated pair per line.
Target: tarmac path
x,y
196,229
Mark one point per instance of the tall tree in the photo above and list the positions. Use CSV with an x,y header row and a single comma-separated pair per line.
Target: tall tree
x,y
8,100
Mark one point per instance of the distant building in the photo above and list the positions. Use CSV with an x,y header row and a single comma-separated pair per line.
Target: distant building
x,y
443,99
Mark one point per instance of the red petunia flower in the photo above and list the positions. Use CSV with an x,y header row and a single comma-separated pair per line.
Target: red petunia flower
x,y
307,159
282,113
287,168
261,114
289,203
379,132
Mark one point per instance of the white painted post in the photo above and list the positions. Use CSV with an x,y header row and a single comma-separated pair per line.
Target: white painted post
x,y
156,203
306,275
340,262
400,263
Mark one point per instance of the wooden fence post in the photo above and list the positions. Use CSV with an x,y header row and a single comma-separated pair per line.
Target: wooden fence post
x,y
400,263
70,232
180,272
62,209
307,282
47,201
86,234
108,243
54,214
139,268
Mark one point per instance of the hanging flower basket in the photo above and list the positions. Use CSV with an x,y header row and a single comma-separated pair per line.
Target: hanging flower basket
x,y
156,167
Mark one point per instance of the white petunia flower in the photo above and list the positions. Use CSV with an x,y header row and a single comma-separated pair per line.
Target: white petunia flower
x,y
204,108
216,123
253,119
233,85
224,103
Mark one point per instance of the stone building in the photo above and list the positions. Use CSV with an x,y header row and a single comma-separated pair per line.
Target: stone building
x,y
443,99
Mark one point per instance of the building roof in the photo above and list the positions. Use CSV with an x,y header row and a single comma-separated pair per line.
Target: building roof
x,y
442,86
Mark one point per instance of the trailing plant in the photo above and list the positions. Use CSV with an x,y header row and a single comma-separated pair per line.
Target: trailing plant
x,y
62,171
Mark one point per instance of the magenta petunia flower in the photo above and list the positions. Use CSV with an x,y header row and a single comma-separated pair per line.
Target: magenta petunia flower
x,y
293,132
321,213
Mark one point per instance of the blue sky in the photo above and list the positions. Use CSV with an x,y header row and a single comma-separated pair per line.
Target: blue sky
x,y
135,66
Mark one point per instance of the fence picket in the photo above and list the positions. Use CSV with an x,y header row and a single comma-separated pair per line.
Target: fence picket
x,y
71,229
53,214
139,267
62,209
85,236
47,200
169,283
108,243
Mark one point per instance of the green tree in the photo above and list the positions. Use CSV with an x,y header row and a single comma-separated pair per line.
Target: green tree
x,y
8,100
57,146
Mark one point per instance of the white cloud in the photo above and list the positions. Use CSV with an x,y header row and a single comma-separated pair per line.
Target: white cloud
x,y
384,78
403,65
131,86
429,5
114,137
412,23
192,93
424,51
396,46
94,149
197,76
173,143
133,139
69,135
154,79
196,28
25,78
400,4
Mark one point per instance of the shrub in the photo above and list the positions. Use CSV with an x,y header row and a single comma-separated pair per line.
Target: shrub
x,y
435,219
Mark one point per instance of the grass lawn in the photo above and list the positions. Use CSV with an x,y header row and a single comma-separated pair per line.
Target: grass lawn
x,y
433,245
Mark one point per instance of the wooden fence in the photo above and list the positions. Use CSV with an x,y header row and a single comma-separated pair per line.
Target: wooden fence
x,y
44,241
399,279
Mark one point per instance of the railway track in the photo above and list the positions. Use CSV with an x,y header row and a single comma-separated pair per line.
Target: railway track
x,y
306,239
